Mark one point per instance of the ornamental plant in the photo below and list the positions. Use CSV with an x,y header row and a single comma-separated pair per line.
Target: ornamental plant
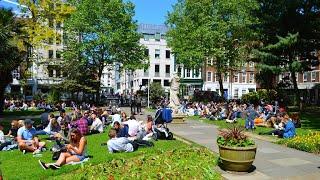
x,y
233,136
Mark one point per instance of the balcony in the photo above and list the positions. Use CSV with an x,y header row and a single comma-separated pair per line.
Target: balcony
x,y
167,75
146,74
156,74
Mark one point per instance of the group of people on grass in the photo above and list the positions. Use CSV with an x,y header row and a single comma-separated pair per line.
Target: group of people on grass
x,y
70,131
267,115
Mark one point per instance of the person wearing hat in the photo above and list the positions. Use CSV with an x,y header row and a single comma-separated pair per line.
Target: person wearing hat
x,y
27,141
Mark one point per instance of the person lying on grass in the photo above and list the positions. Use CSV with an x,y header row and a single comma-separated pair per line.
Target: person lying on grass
x,y
27,141
119,144
75,151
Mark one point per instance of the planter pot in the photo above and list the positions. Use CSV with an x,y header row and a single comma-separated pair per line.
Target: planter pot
x,y
238,159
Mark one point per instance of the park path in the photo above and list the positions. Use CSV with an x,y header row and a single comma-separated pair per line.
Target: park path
x,y
272,161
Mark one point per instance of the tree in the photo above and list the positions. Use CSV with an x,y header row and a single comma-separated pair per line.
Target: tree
x,y
291,37
101,33
12,49
221,31
156,92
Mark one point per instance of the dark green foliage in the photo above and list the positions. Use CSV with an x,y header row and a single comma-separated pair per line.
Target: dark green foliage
x,y
12,49
156,92
221,31
101,33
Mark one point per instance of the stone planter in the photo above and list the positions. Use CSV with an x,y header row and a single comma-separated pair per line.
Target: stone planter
x,y
237,159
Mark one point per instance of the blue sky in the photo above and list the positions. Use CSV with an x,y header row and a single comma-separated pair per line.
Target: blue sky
x,y
147,11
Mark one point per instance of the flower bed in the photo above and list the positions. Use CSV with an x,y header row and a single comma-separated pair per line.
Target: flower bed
x,y
309,142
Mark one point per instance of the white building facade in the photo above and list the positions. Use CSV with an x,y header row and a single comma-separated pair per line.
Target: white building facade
x,y
161,61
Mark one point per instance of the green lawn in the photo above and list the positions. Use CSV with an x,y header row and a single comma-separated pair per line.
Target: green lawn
x,y
167,159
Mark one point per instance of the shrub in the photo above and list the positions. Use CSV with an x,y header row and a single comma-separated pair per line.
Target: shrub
x,y
309,142
234,137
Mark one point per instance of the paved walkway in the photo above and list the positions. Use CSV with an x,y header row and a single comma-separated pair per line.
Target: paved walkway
x,y
272,161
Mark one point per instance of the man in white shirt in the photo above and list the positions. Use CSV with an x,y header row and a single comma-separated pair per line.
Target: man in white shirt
x,y
116,117
97,126
121,144
133,125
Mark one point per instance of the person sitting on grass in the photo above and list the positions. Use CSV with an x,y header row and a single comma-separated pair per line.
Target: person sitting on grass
x,y
116,117
97,126
122,130
27,141
75,151
121,144
133,125
14,129
288,131
82,124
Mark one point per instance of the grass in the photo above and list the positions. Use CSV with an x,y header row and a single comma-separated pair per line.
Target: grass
x,y
180,156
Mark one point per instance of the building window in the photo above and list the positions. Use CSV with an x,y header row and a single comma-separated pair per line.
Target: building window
x,y
179,71
58,25
244,77
58,54
305,77
236,93
146,37
209,76
225,77
251,64
146,52
157,81
210,62
188,72
50,54
167,70
144,82
217,77
58,72
251,90
313,76
244,91
16,74
168,53
50,71
157,70
166,83
251,78
157,36
236,77
157,54
197,73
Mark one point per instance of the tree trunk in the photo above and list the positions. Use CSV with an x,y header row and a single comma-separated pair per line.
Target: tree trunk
x,y
2,90
220,83
5,79
295,88
99,84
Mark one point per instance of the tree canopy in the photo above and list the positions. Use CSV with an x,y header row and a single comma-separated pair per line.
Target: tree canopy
x,y
221,31
101,33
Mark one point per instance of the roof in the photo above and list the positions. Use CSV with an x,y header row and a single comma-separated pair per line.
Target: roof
x,y
152,29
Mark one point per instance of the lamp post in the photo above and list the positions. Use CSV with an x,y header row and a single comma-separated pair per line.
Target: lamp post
x,y
148,92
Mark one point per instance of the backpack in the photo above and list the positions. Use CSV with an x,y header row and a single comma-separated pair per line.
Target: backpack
x,y
167,115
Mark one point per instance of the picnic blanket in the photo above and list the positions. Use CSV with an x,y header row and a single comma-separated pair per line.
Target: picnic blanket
x,y
80,162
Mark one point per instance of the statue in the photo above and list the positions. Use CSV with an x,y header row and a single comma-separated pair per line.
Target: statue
x,y
174,91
